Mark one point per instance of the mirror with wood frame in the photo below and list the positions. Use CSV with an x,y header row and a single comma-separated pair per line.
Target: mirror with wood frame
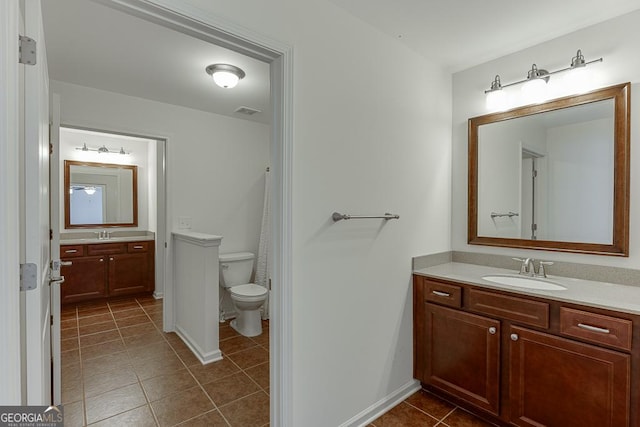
x,y
100,195
553,176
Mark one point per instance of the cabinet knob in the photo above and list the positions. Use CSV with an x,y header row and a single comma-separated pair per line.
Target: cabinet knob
x,y
492,330
101,259
110,258
514,337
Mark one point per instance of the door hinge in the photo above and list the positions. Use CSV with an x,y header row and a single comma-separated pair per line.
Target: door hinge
x,y
27,50
51,318
534,174
28,276
50,234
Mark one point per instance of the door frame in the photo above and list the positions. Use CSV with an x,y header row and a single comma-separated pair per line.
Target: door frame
x,y
190,20
10,355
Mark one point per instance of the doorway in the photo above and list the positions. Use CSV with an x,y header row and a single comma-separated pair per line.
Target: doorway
x,y
279,59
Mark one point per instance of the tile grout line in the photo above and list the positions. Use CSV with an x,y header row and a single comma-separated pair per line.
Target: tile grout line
x,y
144,392
215,407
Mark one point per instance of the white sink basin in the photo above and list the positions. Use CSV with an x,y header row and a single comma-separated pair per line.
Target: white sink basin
x,y
524,282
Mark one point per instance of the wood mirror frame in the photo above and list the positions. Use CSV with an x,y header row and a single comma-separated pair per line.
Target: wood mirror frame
x,y
67,197
621,95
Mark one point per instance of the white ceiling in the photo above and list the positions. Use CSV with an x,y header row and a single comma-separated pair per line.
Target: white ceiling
x,y
92,45
464,33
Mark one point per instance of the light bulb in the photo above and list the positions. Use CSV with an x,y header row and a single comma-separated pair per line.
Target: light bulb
x,y
496,100
225,79
577,80
534,91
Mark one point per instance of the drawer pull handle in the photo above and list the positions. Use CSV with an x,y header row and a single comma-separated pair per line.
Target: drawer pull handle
x,y
138,247
492,330
594,328
70,251
514,337
441,294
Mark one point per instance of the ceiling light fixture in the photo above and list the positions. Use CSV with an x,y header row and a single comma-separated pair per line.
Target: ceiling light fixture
x,y
225,75
535,83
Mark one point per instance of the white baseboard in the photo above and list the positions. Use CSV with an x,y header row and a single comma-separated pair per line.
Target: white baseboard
x,y
204,358
383,405
158,295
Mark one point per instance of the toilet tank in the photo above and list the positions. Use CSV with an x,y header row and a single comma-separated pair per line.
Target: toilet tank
x,y
235,268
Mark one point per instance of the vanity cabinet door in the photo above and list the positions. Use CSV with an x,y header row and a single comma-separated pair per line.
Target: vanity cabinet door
x,y
85,279
559,382
462,355
129,273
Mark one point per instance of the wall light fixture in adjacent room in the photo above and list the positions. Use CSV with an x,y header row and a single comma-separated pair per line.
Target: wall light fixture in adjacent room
x,y
103,149
225,75
534,89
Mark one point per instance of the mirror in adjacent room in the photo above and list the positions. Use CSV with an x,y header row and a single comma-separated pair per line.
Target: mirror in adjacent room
x,y
100,195
553,176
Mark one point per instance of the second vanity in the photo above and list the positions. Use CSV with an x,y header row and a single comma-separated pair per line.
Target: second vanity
x,y
103,268
528,357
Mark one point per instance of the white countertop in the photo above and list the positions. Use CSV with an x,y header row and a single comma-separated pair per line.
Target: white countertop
x,y
609,296
75,239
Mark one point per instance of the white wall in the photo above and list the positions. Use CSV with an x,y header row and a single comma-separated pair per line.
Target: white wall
x,y
617,41
372,134
215,164
581,156
138,150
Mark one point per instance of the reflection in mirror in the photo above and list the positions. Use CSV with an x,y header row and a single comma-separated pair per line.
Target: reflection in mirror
x,y
100,195
552,176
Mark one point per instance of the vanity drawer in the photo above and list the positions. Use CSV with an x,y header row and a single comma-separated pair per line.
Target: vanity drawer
x,y
138,247
596,328
520,310
106,248
71,251
441,293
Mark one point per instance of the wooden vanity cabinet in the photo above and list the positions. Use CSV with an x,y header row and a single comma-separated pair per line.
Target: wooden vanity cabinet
x,y
520,360
104,270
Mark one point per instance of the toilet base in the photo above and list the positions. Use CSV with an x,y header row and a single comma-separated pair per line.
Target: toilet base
x,y
248,323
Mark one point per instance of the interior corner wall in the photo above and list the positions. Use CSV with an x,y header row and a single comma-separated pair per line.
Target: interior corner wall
x,y
617,41
215,164
372,134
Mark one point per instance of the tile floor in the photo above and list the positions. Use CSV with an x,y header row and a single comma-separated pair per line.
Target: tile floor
x,y
120,369
427,410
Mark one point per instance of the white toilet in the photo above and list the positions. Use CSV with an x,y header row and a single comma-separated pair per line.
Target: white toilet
x,y
235,273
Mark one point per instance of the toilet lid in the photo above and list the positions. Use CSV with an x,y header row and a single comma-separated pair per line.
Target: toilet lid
x,y
249,290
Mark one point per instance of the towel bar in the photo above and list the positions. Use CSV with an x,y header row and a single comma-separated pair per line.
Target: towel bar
x,y
338,216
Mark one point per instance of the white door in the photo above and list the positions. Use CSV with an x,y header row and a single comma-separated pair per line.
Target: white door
x,y
34,216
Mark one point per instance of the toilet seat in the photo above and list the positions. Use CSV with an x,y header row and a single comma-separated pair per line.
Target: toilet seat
x,y
247,292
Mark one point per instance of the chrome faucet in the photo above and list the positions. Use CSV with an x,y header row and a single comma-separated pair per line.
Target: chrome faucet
x,y
527,267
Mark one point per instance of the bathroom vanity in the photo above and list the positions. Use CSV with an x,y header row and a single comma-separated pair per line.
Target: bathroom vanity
x,y
528,357
107,268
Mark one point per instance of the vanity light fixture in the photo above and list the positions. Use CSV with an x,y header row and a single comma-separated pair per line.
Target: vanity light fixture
x,y
103,149
535,84
225,75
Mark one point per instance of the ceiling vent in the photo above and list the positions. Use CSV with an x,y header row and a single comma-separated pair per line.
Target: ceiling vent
x,y
248,111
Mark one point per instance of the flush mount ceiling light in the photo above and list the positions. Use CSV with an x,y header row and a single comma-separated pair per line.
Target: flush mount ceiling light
x,y
534,86
225,75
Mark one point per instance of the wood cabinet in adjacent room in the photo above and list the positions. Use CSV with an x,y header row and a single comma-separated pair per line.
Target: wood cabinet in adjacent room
x,y
526,361
104,270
